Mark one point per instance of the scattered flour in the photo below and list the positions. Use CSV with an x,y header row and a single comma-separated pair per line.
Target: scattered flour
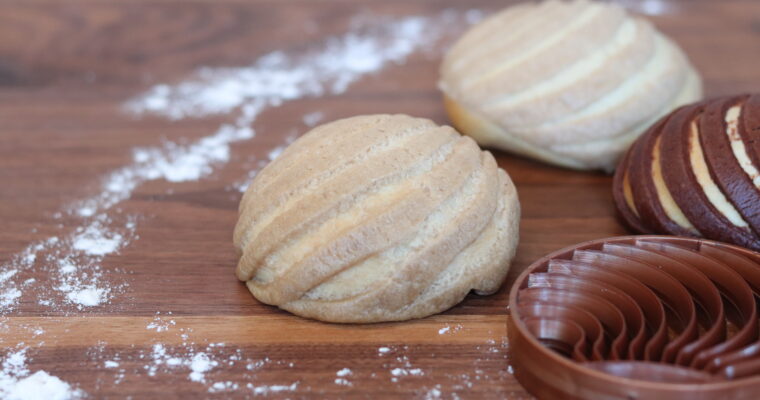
x,y
9,297
17,384
97,241
311,119
72,264
159,324
87,296
200,365
341,380
407,372
449,329
267,389
274,153
278,77
434,393
226,386
38,386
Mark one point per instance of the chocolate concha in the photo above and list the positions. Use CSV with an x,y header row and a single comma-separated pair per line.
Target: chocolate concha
x,y
377,218
695,173
570,83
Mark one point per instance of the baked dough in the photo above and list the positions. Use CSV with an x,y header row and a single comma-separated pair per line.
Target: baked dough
x,y
696,173
377,218
570,83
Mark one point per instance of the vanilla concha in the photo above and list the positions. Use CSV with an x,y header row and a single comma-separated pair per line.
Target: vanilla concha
x,y
377,218
570,83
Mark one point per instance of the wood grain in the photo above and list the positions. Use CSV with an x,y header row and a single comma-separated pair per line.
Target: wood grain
x,y
66,67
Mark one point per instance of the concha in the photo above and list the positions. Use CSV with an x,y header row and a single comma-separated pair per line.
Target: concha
x,y
377,218
570,83
696,173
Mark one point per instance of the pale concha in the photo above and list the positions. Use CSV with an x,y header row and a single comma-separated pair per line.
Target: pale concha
x,y
377,218
570,83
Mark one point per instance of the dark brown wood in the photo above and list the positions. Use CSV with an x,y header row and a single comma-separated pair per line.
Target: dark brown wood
x,y
66,67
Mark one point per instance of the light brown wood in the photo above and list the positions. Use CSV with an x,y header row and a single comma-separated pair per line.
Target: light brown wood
x,y
254,330
65,70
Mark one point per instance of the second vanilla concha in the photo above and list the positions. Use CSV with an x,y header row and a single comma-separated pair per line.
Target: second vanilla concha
x,y
570,83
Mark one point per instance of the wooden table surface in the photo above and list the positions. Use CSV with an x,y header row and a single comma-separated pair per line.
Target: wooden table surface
x,y
66,70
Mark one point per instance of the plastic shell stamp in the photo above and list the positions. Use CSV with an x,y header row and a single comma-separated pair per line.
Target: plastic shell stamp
x,y
638,317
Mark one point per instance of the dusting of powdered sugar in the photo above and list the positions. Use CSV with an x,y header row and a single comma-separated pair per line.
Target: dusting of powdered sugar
x,y
405,369
72,263
342,377
267,389
200,364
277,77
17,383
161,324
449,329
313,118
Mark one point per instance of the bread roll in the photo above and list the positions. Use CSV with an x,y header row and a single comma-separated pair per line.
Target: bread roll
x,y
570,83
695,173
377,218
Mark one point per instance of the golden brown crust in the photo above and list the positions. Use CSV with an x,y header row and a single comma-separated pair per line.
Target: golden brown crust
x,y
377,218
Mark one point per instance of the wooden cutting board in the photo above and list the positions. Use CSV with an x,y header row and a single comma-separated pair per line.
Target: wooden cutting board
x,y
66,69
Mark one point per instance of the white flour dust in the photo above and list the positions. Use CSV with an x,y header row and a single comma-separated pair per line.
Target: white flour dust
x,y
16,382
200,364
71,263
267,389
278,77
160,324
449,329
311,119
342,377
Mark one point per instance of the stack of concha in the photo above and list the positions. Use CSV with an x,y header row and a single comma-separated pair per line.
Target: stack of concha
x,y
695,173
377,218
570,83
